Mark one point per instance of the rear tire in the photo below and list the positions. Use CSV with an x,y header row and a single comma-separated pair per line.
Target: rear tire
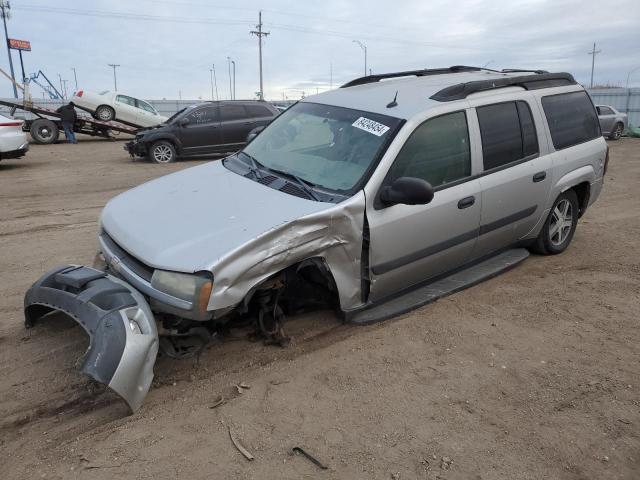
x,y
559,227
618,129
105,113
162,152
44,131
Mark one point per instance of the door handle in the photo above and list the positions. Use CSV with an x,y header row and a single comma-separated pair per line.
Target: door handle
x,y
466,202
540,176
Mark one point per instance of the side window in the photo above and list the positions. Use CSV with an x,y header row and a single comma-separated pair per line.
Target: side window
x,y
571,118
528,128
232,112
258,111
605,111
203,115
125,99
146,106
437,151
500,133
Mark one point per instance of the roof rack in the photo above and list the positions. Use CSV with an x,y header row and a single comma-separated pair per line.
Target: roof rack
x,y
528,82
410,73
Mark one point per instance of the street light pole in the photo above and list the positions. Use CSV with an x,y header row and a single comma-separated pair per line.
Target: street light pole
x,y
234,78
115,80
230,89
364,48
215,80
5,7
211,74
75,77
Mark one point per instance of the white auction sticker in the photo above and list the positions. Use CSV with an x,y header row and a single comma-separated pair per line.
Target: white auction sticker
x,y
370,126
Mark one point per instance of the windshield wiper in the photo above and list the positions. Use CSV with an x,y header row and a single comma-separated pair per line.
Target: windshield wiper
x,y
255,165
306,186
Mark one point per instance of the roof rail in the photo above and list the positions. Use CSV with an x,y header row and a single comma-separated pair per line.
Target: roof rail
x,y
410,73
528,82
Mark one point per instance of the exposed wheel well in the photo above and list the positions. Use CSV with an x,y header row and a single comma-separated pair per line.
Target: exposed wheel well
x,y
583,192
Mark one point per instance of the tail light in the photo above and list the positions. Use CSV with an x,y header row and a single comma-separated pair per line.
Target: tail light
x,y
79,93
606,162
11,124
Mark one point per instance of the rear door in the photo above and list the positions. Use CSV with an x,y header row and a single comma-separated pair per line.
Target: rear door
x,y
126,109
202,133
235,124
516,177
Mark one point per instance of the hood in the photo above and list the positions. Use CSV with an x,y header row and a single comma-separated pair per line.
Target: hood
x,y
187,220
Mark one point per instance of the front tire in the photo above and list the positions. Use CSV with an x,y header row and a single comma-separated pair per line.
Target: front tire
x,y
105,113
618,129
162,152
559,227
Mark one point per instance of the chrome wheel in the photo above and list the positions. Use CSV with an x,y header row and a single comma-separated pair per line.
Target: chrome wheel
x,y
617,133
561,222
162,154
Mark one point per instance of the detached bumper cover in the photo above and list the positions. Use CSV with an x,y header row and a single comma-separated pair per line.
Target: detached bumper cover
x,y
123,336
136,148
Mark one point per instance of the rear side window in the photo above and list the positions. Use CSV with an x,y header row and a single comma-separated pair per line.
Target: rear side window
x,y
437,151
232,112
604,111
127,100
508,133
258,111
571,118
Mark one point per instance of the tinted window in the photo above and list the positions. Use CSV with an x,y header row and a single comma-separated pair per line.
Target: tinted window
x,y
258,111
571,118
203,115
127,100
232,112
501,135
437,151
528,128
605,111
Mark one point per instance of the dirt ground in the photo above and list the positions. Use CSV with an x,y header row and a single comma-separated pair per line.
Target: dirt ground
x,y
532,375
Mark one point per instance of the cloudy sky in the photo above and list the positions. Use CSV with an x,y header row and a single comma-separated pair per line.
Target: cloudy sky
x,y
165,48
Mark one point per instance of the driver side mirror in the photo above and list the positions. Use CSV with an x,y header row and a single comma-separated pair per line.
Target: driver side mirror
x,y
407,191
184,122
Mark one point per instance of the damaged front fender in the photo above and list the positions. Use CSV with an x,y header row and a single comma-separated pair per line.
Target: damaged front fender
x,y
122,331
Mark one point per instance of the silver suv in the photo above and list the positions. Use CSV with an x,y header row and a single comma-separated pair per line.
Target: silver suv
x,y
373,198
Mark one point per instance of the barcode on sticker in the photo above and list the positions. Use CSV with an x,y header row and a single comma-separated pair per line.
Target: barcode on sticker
x,y
370,126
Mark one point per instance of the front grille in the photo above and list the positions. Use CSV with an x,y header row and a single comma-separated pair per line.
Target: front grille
x,y
128,260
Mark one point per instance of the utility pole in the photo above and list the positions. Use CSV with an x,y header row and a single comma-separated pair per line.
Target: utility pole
x,y
75,77
234,78
230,88
5,7
64,88
259,33
215,80
364,48
593,54
115,80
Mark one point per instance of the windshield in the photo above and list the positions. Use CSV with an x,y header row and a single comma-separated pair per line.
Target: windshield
x,y
326,146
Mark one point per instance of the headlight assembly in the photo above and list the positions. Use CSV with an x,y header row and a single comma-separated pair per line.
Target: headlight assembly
x,y
193,287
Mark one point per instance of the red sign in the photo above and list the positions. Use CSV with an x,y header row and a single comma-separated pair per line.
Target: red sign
x,y
20,44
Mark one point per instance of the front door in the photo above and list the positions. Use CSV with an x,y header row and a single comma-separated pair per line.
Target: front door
x,y
607,118
202,132
413,243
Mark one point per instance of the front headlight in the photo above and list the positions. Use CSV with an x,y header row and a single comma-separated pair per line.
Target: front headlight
x,y
193,287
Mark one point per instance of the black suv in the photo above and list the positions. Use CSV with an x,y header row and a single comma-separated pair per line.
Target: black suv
x,y
212,127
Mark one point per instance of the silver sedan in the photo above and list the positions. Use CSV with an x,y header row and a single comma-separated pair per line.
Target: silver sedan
x,y
612,122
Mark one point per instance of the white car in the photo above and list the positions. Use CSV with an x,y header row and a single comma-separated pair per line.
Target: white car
x,y
109,106
13,140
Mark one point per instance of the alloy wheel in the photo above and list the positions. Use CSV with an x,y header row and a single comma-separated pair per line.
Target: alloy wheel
x,y
162,154
561,222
